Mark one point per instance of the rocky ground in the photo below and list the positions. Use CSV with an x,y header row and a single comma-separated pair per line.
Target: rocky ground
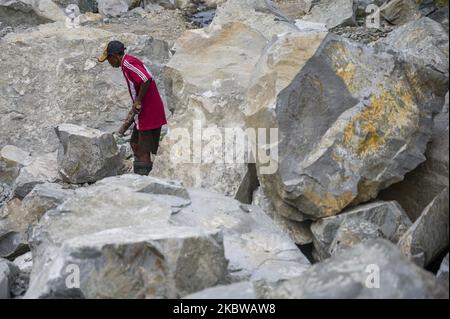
x,y
354,187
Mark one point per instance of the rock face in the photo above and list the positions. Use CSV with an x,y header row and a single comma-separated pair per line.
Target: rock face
x,y
255,247
114,8
175,242
424,40
45,197
86,155
130,230
206,83
379,219
333,13
42,169
356,272
74,89
14,223
428,237
423,184
338,141
156,263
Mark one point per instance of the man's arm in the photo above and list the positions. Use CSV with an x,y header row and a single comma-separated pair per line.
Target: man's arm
x,y
142,91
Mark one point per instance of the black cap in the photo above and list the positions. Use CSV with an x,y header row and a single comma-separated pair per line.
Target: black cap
x,y
115,47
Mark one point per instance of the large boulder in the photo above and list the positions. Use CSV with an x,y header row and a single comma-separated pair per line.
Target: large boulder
x,y
353,121
125,228
86,155
333,13
237,291
255,247
134,262
66,84
197,239
42,169
423,184
379,219
428,237
298,231
206,81
374,269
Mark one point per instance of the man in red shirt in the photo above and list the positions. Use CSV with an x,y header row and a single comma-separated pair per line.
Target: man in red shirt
x,y
147,110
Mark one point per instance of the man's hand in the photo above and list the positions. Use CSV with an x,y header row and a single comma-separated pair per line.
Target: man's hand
x,y
137,106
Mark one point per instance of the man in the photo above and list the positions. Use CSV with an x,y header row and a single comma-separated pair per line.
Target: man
x,y
147,111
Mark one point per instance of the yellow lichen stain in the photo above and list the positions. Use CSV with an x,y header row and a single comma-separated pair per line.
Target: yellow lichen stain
x,y
387,114
329,204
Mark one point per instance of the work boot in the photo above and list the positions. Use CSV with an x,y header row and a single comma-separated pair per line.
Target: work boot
x,y
142,168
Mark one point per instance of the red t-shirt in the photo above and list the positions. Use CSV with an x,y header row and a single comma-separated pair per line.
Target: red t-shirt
x,y
152,114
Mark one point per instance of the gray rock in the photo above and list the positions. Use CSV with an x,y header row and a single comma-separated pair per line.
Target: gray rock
x,y
352,232
111,226
442,274
299,232
14,224
44,197
114,8
379,219
5,193
206,81
42,169
398,12
423,40
441,16
12,244
333,13
82,90
46,10
239,291
12,159
355,274
84,5
146,185
428,236
134,262
25,264
343,145
423,184
86,155
8,273
255,247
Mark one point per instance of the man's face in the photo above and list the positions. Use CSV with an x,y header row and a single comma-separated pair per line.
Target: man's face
x,y
114,60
